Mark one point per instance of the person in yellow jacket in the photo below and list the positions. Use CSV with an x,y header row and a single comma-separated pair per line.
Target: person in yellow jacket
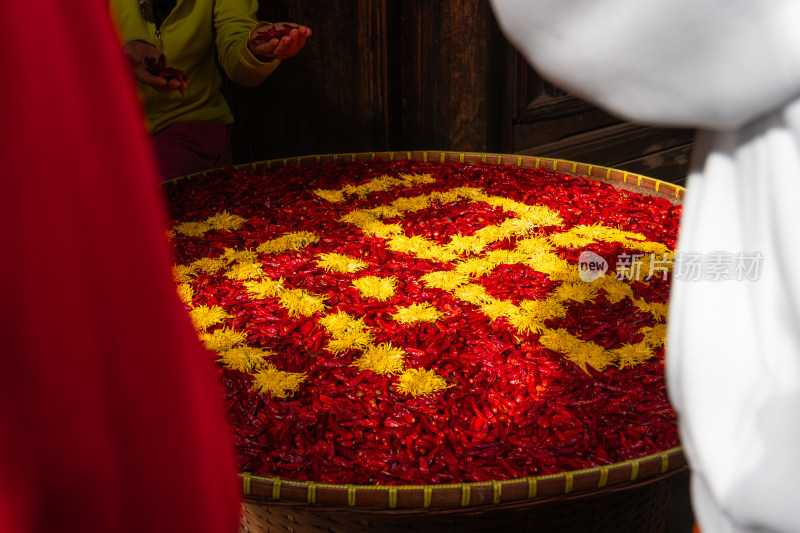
x,y
188,117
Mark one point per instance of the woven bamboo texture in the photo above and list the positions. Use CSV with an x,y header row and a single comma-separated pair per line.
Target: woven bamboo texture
x,y
637,508
629,496
463,494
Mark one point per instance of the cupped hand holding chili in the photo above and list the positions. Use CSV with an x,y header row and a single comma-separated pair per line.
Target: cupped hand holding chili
x,y
150,67
280,40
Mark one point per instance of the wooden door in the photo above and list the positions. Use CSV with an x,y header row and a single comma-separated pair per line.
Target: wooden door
x,y
338,95
378,75
550,122
427,75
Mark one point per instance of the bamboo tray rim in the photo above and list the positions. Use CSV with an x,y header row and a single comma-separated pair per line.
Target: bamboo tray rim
x,y
587,481
646,184
574,483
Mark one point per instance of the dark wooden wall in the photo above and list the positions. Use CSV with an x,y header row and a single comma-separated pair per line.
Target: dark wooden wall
x,y
550,122
377,75
452,67
426,75
335,96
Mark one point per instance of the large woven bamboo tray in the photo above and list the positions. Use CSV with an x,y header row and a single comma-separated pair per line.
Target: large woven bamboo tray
x,y
627,496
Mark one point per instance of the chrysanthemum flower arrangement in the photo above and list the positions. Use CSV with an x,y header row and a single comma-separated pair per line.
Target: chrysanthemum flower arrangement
x,y
424,323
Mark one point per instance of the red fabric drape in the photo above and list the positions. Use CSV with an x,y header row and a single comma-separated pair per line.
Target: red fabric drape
x,y
110,414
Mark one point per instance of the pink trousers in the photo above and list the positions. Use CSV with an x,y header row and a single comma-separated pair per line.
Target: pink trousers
x,y
187,147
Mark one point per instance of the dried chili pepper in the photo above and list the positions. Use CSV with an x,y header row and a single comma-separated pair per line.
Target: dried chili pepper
x,y
512,407
158,67
272,32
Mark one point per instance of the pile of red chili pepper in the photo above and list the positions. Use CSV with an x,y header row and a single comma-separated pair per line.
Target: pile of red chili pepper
x,y
511,407
273,32
158,67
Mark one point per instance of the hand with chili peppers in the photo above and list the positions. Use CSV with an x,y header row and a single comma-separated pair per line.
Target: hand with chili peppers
x,y
151,67
280,40
203,42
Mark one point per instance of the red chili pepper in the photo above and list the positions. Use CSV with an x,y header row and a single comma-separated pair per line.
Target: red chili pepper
x,y
513,408
158,67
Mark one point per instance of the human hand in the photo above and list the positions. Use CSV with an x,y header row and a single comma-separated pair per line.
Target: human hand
x,y
281,40
139,53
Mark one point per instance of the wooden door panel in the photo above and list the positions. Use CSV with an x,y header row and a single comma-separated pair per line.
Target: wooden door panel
x,y
550,122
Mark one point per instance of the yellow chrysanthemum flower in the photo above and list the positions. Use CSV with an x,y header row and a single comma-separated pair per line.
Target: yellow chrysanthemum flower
x,y
526,322
552,265
186,293
474,294
418,382
299,302
477,266
658,310
225,221
544,309
533,245
204,316
506,204
599,232
447,280
264,288
183,273
506,257
630,355
379,229
244,271
499,308
332,196
655,336
539,215
437,253
277,383
192,229
333,262
240,256
576,350
223,339
616,290
382,359
570,240
517,227
290,241
358,218
247,359
416,179
207,264
376,287
409,245
346,332
385,211
340,323
381,183
411,205
492,234
354,340
417,313
466,244
577,292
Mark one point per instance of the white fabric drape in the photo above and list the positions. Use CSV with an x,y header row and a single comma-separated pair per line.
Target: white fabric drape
x,y
731,69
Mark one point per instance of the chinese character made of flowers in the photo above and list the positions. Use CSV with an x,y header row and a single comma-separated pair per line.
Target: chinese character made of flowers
x,y
463,260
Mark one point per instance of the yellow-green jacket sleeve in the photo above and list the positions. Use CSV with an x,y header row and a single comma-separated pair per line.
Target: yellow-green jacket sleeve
x,y
233,20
